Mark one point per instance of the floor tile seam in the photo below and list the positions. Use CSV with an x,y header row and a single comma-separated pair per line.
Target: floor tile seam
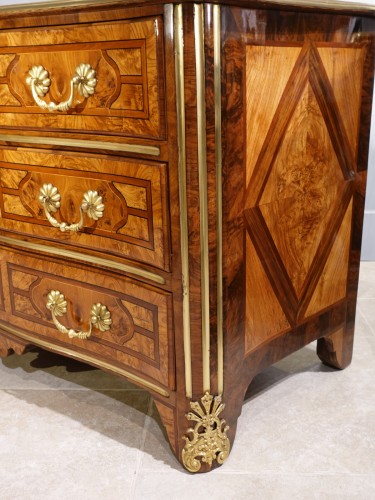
x,y
364,317
222,471
146,426
140,452
131,495
285,474
67,389
364,297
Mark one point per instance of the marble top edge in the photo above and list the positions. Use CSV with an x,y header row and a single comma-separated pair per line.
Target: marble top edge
x,y
337,5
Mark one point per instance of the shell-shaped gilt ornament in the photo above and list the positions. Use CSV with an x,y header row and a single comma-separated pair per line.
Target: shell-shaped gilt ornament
x,y
85,79
92,205
40,77
100,317
50,197
56,303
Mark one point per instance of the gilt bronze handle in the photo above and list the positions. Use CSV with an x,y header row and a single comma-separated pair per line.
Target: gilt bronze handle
x,y
91,205
39,81
100,317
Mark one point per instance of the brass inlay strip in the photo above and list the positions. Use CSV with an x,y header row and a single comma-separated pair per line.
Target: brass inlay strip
x,y
83,357
331,4
203,194
83,258
219,196
181,133
122,147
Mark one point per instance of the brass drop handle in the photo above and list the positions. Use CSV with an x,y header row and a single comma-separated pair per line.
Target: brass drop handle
x,y
39,81
100,317
92,205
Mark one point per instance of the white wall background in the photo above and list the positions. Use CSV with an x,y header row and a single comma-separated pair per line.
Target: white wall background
x,y
368,242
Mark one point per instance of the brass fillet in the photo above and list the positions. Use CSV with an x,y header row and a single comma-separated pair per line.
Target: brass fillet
x,y
219,196
203,194
181,134
142,273
122,147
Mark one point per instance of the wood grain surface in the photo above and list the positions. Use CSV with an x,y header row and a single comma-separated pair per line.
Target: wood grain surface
x,y
129,95
295,154
296,94
140,337
134,224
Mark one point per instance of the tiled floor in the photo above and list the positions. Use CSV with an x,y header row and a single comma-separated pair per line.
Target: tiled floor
x,y
306,431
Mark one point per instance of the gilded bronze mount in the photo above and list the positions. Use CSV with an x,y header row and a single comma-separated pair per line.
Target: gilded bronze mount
x,y
207,441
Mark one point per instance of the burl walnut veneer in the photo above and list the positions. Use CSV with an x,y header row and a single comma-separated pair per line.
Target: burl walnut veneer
x,y
182,189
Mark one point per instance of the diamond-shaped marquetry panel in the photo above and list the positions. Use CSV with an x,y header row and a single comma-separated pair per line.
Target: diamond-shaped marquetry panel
x,y
303,108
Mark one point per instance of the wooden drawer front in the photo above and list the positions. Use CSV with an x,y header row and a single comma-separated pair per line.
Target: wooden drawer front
x,y
134,221
126,56
139,337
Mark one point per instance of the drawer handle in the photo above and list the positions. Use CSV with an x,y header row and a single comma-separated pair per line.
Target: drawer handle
x,y
91,205
39,81
100,317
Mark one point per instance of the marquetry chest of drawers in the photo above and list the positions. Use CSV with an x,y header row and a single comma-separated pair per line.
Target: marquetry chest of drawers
x,y
181,193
